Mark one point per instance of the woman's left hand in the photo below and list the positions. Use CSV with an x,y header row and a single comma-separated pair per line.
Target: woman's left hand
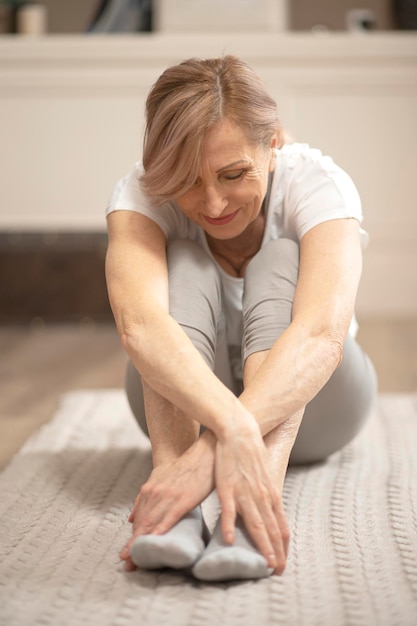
x,y
245,485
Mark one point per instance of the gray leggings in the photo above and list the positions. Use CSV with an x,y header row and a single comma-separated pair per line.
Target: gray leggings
x,y
341,407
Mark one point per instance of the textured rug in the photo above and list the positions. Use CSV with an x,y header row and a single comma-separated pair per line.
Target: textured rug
x,y
65,498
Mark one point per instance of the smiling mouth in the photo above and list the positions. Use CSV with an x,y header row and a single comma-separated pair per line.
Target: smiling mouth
x,y
219,221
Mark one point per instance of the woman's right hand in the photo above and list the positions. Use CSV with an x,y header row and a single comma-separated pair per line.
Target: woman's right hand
x,y
246,486
171,491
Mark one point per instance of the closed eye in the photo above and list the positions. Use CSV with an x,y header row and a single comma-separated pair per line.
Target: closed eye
x,y
234,175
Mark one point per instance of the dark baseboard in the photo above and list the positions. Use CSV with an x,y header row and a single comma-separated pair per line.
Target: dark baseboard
x,y
53,277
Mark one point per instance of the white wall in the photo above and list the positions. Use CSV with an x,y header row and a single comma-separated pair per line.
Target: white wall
x,y
71,120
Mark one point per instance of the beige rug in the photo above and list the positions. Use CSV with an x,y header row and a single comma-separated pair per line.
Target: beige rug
x,y
64,501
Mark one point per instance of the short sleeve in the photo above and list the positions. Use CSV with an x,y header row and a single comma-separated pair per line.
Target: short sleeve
x,y
128,196
317,191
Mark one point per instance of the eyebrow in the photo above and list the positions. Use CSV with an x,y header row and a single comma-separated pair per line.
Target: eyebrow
x,y
231,165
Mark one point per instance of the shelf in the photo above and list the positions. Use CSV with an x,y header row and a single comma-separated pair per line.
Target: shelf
x,y
335,47
131,62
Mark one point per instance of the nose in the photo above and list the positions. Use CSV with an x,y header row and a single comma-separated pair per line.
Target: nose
x,y
214,201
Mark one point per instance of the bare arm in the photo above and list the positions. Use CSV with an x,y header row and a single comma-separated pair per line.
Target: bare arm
x,y
137,279
136,272
280,382
308,352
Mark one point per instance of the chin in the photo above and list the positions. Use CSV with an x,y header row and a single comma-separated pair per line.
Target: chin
x,y
224,233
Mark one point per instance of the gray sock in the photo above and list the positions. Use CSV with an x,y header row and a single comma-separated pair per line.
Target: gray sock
x,y
179,548
239,561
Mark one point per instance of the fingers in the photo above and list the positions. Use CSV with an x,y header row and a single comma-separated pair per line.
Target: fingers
x,y
124,553
125,556
155,513
158,517
133,511
266,534
276,526
228,518
264,520
129,565
285,530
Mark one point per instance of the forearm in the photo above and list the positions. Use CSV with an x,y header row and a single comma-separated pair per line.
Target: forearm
x,y
280,383
137,280
171,366
304,357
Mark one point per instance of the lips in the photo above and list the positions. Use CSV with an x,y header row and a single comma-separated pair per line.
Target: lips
x,y
220,221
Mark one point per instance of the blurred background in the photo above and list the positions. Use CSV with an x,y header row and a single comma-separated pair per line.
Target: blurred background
x,y
79,16
73,80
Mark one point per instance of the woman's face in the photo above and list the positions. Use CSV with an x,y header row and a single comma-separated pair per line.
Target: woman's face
x,y
228,194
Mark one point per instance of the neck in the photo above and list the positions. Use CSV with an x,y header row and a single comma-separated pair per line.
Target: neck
x,y
233,255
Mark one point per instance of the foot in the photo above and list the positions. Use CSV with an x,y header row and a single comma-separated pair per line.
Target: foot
x,y
179,548
239,561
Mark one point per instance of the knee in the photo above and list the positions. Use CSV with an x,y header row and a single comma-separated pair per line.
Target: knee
x,y
282,247
273,272
183,248
195,295
270,282
191,257
276,255
192,272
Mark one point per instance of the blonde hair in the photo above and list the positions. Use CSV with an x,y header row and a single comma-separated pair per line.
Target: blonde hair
x,y
184,103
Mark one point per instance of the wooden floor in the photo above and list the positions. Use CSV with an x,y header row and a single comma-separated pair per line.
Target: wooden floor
x,y
39,363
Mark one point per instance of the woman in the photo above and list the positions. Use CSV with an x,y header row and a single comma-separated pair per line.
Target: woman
x,y
232,269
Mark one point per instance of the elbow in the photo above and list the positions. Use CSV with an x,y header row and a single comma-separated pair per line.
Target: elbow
x,y
333,350
130,334
138,332
135,346
336,352
131,327
125,339
130,337
328,336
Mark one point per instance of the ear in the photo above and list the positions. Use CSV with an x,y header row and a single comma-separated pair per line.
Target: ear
x,y
274,145
274,141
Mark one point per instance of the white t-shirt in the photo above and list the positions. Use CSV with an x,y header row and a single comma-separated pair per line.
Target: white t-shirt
x,y
307,188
